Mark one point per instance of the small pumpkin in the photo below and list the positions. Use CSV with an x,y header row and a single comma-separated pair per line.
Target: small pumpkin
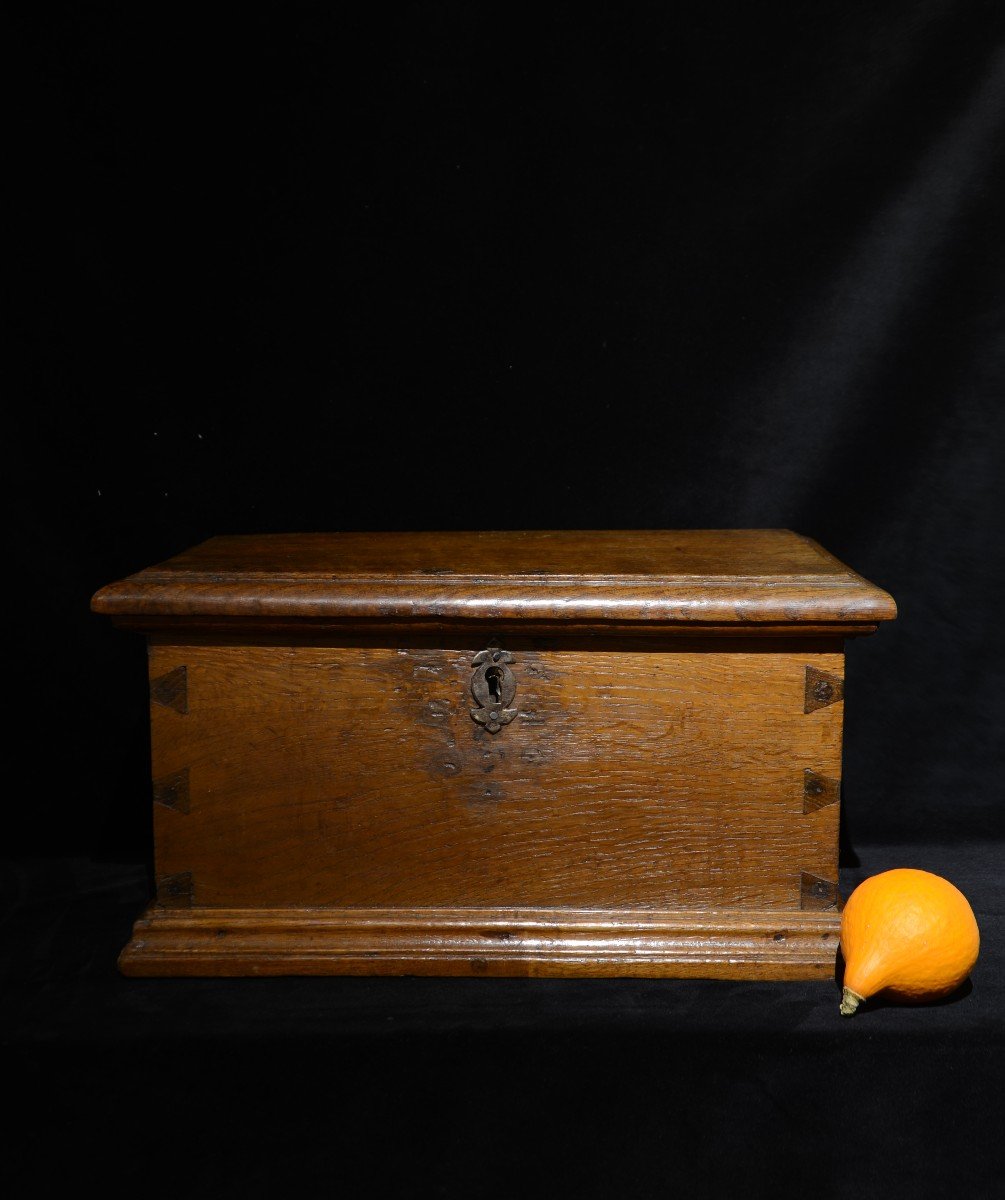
x,y
909,934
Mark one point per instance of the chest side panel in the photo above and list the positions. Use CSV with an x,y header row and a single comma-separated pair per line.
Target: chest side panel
x,y
347,775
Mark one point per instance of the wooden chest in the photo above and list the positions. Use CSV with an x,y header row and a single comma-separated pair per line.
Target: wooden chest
x,y
540,753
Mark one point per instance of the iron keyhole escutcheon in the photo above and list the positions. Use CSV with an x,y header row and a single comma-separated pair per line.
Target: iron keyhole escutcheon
x,y
493,686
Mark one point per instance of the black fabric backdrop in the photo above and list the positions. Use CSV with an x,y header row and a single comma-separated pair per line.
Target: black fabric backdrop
x,y
330,267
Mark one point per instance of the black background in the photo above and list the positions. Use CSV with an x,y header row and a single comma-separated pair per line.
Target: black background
x,y
330,267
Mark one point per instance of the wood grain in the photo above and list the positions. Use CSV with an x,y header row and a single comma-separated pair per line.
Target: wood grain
x,y
526,943
572,580
340,775
659,797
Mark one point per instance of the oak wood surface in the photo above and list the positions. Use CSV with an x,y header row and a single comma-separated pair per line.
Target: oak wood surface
x,y
549,942
659,797
565,578
341,775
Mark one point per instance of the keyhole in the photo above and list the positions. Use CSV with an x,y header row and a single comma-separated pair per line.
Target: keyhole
x,y
492,678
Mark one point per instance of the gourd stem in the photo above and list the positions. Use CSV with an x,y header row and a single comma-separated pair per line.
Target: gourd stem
x,y
849,1002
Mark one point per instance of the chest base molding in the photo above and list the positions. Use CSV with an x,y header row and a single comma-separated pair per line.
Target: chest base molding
x,y
483,942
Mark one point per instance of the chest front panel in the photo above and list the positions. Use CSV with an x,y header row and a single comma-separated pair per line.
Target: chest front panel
x,y
632,775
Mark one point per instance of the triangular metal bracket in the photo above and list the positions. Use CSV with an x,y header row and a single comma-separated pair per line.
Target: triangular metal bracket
x,y
820,689
815,892
819,791
171,689
176,891
172,791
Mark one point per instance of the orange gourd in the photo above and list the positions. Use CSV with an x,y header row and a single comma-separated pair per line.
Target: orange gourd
x,y
908,934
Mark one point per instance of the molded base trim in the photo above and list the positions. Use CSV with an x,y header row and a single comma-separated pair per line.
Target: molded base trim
x,y
483,942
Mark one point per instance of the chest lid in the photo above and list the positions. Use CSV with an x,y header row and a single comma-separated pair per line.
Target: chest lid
x,y
731,580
